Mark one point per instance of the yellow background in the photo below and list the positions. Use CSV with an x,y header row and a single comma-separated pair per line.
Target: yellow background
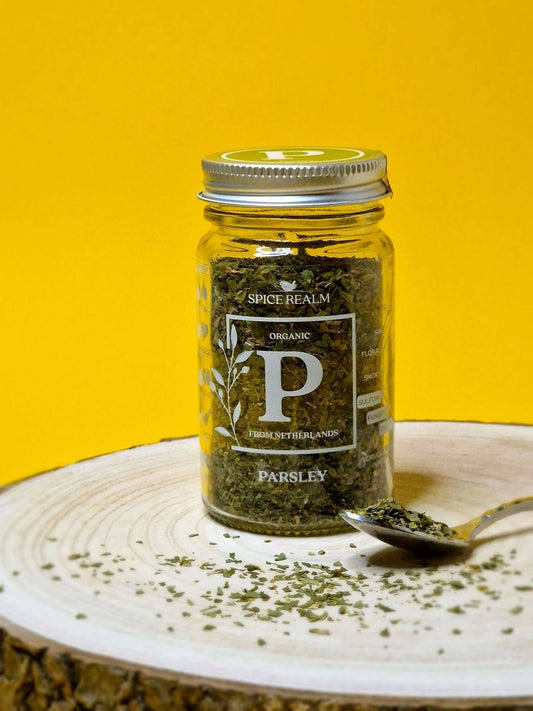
x,y
106,110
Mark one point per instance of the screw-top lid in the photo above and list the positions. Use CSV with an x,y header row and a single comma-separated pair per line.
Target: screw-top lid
x,y
277,177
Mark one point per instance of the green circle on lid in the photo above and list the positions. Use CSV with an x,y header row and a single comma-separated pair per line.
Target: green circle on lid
x,y
296,155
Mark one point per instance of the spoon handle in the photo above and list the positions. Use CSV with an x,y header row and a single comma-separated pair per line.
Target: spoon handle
x,y
471,529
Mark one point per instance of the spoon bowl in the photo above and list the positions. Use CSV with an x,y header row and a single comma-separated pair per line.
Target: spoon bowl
x,y
422,542
402,537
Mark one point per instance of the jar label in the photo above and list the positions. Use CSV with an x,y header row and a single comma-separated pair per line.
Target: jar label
x,y
287,384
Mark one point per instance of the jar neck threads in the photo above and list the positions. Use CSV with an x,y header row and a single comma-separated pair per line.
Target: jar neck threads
x,y
295,219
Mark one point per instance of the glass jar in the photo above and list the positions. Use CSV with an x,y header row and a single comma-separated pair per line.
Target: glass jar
x,y
295,294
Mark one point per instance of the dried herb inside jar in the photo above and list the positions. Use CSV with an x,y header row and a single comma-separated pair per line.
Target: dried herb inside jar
x,y
297,399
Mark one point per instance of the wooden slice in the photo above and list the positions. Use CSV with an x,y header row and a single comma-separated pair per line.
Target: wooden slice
x,y
118,592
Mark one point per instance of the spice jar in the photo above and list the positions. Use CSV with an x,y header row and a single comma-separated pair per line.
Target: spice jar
x,y
295,293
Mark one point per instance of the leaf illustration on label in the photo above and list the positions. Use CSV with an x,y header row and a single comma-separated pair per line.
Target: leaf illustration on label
x,y
223,431
226,378
234,337
243,356
218,377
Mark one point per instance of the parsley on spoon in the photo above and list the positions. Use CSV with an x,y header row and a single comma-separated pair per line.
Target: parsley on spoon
x,y
392,523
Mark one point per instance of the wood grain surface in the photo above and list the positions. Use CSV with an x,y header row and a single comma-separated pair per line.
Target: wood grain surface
x,y
117,591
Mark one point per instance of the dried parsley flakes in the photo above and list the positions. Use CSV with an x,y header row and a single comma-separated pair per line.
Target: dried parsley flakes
x,y
258,474
390,513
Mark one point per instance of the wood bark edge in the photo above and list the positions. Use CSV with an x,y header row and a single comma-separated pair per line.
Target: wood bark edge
x,y
35,677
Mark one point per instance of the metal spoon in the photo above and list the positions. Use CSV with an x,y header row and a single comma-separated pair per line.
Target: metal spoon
x,y
403,537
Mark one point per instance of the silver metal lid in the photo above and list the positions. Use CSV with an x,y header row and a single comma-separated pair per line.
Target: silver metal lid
x,y
295,177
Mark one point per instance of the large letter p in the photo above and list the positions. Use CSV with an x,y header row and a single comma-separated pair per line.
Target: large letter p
x,y
274,393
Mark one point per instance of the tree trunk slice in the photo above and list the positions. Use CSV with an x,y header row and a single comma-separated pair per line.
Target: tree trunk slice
x,y
116,591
